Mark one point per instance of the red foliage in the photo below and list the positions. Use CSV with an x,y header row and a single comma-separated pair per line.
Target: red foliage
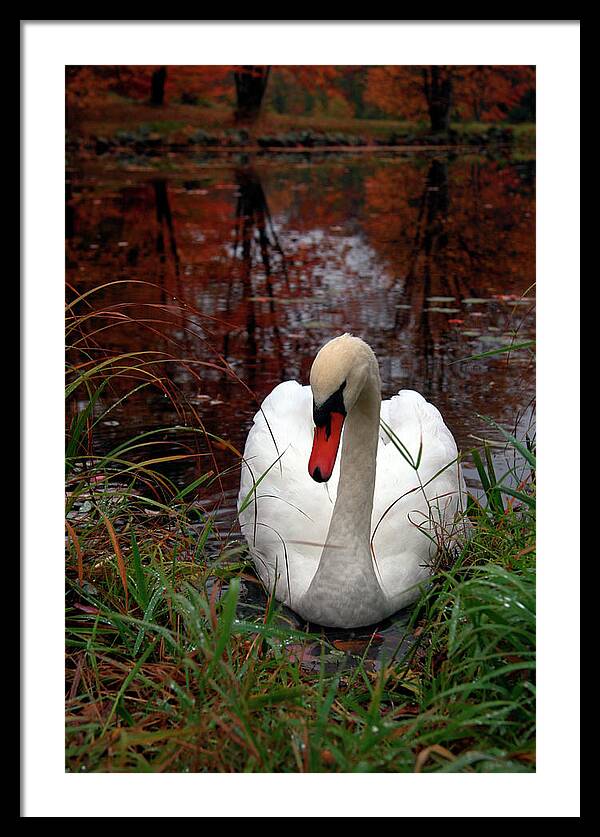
x,y
407,92
487,93
478,92
87,85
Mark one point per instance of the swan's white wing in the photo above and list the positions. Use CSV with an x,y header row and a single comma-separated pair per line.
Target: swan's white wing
x,y
413,509
287,513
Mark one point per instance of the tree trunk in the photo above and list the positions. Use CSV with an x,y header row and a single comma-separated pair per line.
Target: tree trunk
x,y
437,83
250,86
157,86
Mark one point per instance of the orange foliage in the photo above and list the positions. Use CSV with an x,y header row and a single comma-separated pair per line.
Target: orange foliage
x,y
408,92
397,91
87,85
487,93
478,92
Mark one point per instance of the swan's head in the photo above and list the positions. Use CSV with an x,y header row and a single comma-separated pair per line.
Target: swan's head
x,y
338,376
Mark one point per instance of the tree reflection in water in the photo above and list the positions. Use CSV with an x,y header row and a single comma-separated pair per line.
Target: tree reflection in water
x,y
260,263
256,240
429,276
164,221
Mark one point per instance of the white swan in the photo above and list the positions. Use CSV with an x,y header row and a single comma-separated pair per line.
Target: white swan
x,y
347,543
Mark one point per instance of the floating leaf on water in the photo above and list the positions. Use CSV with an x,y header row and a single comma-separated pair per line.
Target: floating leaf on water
x,y
514,299
442,310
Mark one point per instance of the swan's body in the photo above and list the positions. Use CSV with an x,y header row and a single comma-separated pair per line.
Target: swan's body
x,y
311,540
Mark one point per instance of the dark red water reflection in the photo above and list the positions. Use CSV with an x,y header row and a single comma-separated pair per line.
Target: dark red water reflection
x,y
259,261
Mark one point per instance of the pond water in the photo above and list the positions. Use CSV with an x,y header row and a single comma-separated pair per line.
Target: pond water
x,y
257,260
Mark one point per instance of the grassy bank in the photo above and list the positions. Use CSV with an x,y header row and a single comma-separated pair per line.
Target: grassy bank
x,y
165,671
118,123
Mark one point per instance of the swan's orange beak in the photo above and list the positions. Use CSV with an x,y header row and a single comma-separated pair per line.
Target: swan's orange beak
x,y
325,447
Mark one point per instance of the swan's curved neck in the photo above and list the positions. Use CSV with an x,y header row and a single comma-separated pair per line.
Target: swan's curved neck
x,y
345,573
351,518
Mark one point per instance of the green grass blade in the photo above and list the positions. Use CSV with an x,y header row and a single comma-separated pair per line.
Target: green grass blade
x,y
226,621
519,495
526,344
140,577
523,450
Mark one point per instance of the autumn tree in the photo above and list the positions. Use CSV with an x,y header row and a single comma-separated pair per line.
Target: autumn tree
x,y
412,92
351,82
316,90
157,86
89,86
437,87
250,86
438,93
489,93
297,88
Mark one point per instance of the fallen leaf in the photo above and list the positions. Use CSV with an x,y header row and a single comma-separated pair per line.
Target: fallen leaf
x,y
425,753
86,608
